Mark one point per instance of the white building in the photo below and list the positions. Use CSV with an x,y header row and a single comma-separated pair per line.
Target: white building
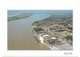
x,y
41,37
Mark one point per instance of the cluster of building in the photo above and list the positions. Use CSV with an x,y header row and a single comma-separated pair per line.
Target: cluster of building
x,y
54,35
55,41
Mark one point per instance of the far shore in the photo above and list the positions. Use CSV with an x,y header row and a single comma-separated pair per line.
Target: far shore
x,y
19,17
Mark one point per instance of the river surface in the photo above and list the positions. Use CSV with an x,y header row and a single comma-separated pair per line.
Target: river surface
x,y
20,36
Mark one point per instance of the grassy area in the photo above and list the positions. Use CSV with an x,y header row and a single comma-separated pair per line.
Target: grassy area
x,y
38,29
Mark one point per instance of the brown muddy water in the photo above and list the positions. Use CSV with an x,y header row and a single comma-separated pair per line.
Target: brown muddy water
x,y
20,36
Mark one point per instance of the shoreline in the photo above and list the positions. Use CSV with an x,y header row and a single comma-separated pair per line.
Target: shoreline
x,y
18,17
54,47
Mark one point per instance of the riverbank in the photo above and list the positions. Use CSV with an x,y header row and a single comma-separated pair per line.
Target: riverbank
x,y
57,45
19,17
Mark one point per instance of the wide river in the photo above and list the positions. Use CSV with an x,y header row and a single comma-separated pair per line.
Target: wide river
x,y
20,36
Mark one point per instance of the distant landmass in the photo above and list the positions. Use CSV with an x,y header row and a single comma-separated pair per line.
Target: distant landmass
x,y
19,17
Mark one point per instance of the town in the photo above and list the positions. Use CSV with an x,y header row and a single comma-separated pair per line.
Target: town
x,y
55,32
